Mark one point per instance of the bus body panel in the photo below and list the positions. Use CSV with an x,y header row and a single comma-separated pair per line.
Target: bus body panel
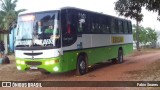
x,y
96,55
97,47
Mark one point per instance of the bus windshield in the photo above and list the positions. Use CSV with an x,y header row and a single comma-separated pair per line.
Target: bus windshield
x,y
39,29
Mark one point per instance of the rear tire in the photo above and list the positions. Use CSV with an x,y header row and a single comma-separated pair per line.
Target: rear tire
x,y
120,56
81,65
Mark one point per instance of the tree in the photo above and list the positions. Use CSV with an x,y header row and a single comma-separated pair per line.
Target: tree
x,y
150,5
153,5
151,36
142,34
148,36
8,14
131,9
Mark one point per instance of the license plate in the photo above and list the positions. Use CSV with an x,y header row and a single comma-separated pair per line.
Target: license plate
x,y
33,67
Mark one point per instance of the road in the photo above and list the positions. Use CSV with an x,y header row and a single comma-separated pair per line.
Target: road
x,y
100,72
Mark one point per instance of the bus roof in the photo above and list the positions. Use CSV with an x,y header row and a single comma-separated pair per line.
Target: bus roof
x,y
25,13
92,12
38,12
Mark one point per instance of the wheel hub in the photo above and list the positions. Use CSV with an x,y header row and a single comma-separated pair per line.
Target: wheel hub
x,y
82,65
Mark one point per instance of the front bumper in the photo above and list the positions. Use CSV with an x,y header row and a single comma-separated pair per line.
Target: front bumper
x,y
48,64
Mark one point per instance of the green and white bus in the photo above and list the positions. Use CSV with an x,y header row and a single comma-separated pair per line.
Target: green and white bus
x,y
70,39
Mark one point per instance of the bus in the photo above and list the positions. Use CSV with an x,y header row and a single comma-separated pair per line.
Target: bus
x,y
70,39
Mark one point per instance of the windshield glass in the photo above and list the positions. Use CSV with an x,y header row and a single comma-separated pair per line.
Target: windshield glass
x,y
23,28
39,29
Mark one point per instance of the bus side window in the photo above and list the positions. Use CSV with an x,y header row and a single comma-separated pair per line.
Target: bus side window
x,y
105,25
89,23
108,24
94,24
125,27
64,21
120,26
114,25
72,21
129,27
83,22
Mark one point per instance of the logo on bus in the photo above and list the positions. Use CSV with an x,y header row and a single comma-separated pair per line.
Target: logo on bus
x,y
117,39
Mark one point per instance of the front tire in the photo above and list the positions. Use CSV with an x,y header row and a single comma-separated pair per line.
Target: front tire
x,y
81,65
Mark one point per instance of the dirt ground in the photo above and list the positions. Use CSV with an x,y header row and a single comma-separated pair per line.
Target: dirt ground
x,y
139,66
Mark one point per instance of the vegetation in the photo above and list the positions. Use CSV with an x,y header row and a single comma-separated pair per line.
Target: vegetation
x,y
8,14
152,5
147,36
132,9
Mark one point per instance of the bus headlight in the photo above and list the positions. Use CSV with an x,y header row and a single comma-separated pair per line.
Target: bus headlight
x,y
46,62
22,62
19,67
55,68
18,61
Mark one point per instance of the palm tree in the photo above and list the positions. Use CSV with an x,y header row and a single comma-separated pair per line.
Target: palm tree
x,y
8,17
9,13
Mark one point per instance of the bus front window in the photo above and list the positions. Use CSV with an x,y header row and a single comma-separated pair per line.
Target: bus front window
x,y
42,31
24,30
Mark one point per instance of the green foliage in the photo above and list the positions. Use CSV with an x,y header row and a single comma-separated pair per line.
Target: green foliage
x,y
146,35
153,5
8,14
129,8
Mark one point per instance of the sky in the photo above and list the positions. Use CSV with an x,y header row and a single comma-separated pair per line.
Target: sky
x,y
105,6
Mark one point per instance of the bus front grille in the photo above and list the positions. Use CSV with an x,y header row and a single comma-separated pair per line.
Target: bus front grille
x,y
33,63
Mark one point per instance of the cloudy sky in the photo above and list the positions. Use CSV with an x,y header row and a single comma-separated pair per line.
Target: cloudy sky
x,y
105,6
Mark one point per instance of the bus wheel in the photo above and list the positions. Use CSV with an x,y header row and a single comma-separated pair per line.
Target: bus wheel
x,y
120,56
81,65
